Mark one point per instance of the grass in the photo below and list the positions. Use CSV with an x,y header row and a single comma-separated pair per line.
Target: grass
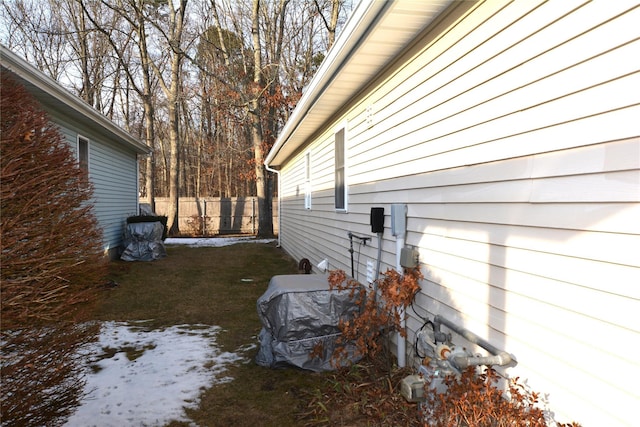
x,y
220,286
216,286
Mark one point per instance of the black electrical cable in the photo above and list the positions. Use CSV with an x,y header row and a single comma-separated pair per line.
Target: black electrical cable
x,y
414,310
415,344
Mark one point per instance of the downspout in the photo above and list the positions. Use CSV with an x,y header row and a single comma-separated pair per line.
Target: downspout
x,y
277,172
499,357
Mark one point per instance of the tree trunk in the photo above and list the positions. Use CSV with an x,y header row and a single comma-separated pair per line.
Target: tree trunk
x,y
149,111
265,223
172,92
174,148
335,8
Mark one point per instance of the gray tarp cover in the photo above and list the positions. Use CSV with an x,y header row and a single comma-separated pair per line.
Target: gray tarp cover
x,y
298,311
143,242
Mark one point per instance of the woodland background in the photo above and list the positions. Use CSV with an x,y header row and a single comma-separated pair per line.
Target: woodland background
x,y
207,84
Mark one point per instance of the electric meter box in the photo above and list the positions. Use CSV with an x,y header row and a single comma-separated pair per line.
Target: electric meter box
x,y
398,219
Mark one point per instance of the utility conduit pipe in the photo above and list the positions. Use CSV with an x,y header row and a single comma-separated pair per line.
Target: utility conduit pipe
x,y
399,229
401,342
499,357
377,273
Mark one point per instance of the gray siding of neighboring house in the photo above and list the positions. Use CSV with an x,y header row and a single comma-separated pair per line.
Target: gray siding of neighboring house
x,y
513,135
113,171
112,153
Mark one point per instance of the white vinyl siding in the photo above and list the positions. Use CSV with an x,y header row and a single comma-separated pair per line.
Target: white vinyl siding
x,y
514,139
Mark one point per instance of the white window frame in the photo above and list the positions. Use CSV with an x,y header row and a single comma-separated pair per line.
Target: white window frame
x,y
87,164
307,180
341,184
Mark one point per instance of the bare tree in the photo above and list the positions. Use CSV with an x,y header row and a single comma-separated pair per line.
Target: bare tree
x,y
87,48
333,21
33,30
171,90
139,76
210,120
256,121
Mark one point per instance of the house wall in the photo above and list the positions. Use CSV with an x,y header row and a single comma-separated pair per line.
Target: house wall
x,y
511,132
113,171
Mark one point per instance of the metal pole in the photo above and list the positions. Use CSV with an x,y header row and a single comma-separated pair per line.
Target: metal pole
x,y
351,252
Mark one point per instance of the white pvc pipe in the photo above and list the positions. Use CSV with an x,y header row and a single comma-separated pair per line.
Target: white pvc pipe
x,y
277,172
402,345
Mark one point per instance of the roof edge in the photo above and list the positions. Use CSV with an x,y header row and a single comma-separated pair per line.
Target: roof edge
x,y
358,26
29,73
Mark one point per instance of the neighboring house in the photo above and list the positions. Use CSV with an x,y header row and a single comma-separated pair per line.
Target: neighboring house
x,y
511,130
108,152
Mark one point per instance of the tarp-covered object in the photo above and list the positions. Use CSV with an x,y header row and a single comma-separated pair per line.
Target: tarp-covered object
x,y
143,242
297,312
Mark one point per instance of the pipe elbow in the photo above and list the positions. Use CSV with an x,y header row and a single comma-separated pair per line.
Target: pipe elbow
x,y
502,359
505,359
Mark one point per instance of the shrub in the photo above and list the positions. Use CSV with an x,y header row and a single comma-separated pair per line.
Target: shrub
x,y
380,314
195,226
475,399
51,261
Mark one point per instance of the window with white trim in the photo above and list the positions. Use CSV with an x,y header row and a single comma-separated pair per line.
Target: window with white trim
x,y
307,180
340,171
83,154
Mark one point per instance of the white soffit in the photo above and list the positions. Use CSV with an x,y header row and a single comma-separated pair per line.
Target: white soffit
x,y
375,34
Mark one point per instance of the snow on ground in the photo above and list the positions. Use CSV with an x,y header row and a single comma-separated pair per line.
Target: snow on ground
x,y
214,241
146,377
141,376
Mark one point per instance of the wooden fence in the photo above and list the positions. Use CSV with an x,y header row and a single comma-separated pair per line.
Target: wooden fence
x,y
211,216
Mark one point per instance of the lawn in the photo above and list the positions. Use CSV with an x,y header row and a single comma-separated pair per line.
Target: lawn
x,y
216,286
219,286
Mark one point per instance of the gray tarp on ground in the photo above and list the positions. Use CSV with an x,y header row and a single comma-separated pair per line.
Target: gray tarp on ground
x,y
297,312
143,242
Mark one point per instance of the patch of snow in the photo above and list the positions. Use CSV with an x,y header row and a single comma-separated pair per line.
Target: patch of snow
x,y
141,376
213,241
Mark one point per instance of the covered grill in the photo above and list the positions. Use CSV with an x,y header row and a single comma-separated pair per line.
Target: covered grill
x,y
297,312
